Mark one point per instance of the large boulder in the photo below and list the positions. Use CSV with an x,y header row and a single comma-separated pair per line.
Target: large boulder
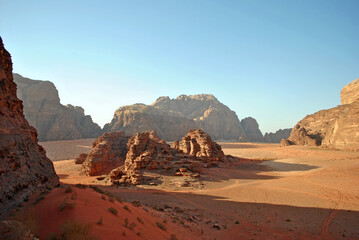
x,y
108,152
337,127
24,166
53,121
277,136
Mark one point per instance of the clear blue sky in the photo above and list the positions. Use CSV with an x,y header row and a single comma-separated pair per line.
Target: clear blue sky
x,y
276,61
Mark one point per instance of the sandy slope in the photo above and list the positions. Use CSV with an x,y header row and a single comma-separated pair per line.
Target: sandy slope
x,y
304,193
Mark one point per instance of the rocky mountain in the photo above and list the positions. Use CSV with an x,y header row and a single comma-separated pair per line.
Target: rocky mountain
x,y
251,131
173,118
277,136
208,113
53,121
337,127
140,117
24,166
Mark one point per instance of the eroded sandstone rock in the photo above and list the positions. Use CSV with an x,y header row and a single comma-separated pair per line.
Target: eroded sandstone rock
x,y
24,166
251,130
350,93
277,136
108,152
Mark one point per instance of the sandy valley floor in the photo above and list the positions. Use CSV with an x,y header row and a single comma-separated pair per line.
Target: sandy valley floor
x,y
274,192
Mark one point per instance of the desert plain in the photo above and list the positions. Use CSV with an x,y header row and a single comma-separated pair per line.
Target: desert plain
x,y
271,192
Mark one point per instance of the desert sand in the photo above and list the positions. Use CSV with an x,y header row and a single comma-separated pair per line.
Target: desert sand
x,y
273,192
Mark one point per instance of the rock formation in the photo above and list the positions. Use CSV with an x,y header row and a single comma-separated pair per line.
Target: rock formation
x,y
209,114
337,127
108,152
277,136
147,152
53,121
140,118
199,144
24,166
350,93
251,131
173,118
10,230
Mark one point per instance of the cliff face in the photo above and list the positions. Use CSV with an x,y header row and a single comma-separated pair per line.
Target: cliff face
x,y
173,118
141,118
336,127
251,130
277,136
209,114
53,121
24,166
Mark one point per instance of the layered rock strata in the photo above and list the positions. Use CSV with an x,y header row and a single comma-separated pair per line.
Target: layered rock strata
x,y
53,121
24,166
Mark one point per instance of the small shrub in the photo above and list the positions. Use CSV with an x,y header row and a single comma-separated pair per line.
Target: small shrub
x,y
66,204
113,210
125,222
173,237
111,199
138,234
20,205
288,220
123,233
74,196
126,208
38,199
53,236
103,197
118,199
29,219
76,231
81,186
68,189
136,203
161,226
140,220
237,222
99,222
26,199
132,226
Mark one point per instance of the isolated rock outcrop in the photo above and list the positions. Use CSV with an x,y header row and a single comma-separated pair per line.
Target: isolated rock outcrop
x,y
24,166
337,127
140,117
350,93
209,114
53,121
108,152
199,144
147,152
11,230
251,130
277,136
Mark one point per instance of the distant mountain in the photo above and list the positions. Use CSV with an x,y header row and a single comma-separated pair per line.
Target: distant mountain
x,y
53,121
337,127
173,118
277,136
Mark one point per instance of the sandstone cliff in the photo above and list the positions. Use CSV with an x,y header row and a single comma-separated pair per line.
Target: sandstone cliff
x,y
209,114
141,118
53,121
336,127
24,166
277,136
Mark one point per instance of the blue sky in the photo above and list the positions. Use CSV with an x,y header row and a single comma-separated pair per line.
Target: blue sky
x,y
276,61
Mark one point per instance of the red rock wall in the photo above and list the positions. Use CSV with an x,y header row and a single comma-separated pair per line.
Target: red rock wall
x,y
24,166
